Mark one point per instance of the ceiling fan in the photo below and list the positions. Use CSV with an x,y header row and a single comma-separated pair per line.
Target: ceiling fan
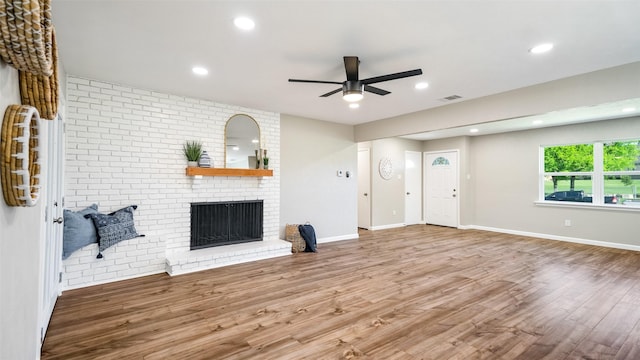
x,y
352,88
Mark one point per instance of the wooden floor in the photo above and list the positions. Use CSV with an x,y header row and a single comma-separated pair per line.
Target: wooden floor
x,y
421,292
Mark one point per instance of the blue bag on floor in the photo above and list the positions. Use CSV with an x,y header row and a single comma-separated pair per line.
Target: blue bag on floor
x,y
309,235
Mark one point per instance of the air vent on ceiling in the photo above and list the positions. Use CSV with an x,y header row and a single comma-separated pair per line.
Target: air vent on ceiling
x,y
451,98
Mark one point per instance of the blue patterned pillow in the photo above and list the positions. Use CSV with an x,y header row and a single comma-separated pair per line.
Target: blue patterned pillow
x,y
115,227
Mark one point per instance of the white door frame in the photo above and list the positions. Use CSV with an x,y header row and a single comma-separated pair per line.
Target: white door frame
x,y
364,195
51,264
412,187
456,184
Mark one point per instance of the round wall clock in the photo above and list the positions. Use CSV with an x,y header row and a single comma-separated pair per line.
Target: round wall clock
x,y
385,168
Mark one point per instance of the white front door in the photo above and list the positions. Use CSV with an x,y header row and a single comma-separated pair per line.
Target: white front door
x,y
364,189
412,187
441,188
54,217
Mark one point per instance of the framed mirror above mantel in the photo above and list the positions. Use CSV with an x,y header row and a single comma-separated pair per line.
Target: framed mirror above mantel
x,y
242,144
242,140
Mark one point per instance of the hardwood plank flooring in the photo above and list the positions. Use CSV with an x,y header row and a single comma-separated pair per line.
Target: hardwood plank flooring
x,y
420,292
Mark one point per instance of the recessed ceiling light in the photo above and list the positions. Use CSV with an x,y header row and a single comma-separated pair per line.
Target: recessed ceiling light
x,y
244,23
254,141
474,130
236,148
199,70
629,109
537,122
422,85
542,48
354,106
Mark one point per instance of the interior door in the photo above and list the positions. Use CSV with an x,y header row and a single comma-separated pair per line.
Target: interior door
x,y
412,187
441,188
364,189
52,262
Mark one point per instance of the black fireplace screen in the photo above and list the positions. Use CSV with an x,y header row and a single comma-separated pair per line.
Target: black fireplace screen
x,y
224,223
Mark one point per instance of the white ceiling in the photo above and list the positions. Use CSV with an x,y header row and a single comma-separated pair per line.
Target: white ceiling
x,y
468,48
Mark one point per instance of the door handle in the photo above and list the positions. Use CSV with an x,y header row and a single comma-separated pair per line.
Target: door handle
x,y
454,195
408,193
58,220
365,194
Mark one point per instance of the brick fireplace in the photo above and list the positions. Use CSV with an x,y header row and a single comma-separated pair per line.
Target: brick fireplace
x,y
124,147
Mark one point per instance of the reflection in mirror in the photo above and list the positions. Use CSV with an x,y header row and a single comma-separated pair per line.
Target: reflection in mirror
x,y
242,139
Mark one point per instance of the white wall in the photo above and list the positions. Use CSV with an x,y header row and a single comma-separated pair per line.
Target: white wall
x,y
312,153
499,184
504,169
20,250
388,196
124,146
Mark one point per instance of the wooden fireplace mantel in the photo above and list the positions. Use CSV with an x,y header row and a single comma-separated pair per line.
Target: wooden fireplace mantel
x,y
193,171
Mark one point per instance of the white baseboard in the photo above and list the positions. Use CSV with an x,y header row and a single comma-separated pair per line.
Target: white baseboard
x,y
106,281
390,226
337,238
554,237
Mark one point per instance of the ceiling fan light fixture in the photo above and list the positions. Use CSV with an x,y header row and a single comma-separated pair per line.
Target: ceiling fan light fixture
x,y
352,91
352,95
353,88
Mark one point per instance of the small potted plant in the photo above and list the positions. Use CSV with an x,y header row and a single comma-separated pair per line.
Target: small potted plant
x,y
265,161
192,151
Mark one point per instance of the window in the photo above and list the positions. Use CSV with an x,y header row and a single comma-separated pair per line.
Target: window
x,y
440,161
597,173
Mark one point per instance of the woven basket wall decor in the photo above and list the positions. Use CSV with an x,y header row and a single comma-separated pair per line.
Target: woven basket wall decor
x,y
20,162
41,91
292,235
26,35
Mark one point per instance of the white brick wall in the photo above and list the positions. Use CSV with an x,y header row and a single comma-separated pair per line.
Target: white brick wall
x,y
124,146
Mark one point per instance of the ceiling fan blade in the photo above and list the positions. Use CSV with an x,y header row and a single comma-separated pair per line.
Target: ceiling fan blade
x,y
399,75
376,90
351,67
331,92
315,81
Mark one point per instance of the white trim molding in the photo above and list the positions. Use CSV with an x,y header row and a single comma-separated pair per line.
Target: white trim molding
x,y
106,281
389,226
555,237
338,238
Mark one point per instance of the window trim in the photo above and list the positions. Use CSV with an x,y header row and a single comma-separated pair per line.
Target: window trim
x,y
590,206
